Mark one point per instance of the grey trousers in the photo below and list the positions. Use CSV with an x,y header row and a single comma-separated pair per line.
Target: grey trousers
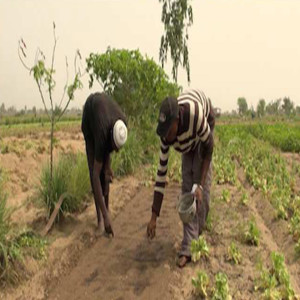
x,y
191,170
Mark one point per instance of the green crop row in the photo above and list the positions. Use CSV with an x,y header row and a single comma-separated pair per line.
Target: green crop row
x,y
265,169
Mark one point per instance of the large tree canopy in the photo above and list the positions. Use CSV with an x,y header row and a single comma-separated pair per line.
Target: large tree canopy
x,y
137,83
177,17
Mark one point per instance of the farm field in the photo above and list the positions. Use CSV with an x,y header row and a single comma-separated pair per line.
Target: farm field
x,y
252,234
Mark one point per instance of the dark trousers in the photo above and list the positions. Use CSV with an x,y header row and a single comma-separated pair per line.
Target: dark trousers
x,y
191,171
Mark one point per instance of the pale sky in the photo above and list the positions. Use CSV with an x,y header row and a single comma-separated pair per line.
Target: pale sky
x,y
247,48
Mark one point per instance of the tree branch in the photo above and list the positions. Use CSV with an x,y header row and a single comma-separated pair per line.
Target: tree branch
x,y
51,70
42,96
66,85
21,59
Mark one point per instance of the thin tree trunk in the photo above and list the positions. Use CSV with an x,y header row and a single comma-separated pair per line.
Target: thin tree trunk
x,y
51,155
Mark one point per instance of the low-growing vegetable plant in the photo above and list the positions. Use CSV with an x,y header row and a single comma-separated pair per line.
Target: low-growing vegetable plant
x,y
201,283
234,254
221,291
252,234
199,249
275,283
244,198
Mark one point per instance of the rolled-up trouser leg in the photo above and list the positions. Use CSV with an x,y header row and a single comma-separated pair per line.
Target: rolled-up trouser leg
x,y
191,171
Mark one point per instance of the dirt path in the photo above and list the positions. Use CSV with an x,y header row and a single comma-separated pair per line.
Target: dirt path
x,y
128,266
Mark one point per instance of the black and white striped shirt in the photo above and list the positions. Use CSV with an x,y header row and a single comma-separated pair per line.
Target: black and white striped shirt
x,y
193,127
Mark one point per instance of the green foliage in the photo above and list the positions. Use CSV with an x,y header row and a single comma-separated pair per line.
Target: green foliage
x,y
224,167
199,249
177,17
200,283
252,234
137,83
242,105
261,106
14,246
221,291
225,197
281,135
71,176
244,198
288,106
234,254
266,170
275,283
31,244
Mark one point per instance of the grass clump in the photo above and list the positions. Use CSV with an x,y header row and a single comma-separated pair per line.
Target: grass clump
x,y
70,176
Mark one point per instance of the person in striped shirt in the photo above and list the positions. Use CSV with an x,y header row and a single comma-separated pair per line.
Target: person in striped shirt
x,y
187,124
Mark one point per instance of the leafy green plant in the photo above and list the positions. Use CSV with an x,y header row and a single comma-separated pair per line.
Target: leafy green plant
x,y
275,283
201,283
221,291
31,244
233,254
252,234
199,249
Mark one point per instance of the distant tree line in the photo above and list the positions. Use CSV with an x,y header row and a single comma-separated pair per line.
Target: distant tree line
x,y
281,106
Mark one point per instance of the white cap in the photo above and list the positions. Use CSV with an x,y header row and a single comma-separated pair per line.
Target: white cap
x,y
119,133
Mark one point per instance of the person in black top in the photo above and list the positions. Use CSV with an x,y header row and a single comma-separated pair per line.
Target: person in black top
x,y
104,129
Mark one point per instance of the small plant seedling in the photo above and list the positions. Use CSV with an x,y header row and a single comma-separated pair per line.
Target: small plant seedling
x,y
252,234
225,196
244,198
201,283
199,248
234,254
221,291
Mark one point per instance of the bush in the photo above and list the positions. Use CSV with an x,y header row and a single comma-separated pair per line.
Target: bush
x,y
70,176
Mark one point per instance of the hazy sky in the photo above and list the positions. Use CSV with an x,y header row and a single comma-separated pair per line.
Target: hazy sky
x,y
247,48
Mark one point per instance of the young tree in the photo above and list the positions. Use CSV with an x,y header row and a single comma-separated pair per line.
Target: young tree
x,y
177,17
43,76
242,105
261,108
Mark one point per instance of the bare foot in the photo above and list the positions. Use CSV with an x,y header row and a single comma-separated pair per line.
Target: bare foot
x,y
183,260
98,231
